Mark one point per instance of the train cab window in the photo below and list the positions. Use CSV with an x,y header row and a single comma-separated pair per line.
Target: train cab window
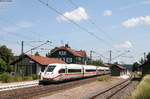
x,y
50,68
74,70
62,71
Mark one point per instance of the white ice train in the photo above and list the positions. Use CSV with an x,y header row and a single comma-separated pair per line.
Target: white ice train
x,y
61,72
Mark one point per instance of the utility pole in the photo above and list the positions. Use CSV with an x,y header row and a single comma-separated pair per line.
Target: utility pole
x,y
22,46
91,56
144,57
110,56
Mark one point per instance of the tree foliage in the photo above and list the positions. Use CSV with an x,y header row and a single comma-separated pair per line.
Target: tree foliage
x,y
97,62
3,66
37,54
53,50
148,57
6,54
135,66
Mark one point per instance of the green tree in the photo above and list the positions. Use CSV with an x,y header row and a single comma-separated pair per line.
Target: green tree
x,y
37,54
148,57
135,66
3,66
142,61
54,49
6,54
97,62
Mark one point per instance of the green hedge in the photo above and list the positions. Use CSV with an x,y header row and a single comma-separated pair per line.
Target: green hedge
x,y
104,78
5,78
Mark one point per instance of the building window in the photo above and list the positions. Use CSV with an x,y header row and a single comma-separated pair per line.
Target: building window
x,y
67,60
64,59
70,59
62,53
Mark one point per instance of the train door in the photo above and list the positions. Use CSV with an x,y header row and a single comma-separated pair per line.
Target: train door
x,y
62,73
82,71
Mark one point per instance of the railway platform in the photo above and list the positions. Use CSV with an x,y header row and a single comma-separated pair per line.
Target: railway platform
x,y
16,85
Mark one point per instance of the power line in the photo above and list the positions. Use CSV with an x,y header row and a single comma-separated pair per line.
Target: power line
x,y
93,23
73,22
38,46
120,54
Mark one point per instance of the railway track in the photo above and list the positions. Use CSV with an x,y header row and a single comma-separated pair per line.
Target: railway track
x,y
112,91
40,90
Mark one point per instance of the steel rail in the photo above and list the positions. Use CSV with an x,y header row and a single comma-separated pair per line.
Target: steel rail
x,y
128,81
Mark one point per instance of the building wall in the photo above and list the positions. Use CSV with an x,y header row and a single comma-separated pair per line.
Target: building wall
x,y
115,71
38,70
23,67
26,67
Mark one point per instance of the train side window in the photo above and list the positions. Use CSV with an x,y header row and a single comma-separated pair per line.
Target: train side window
x,y
100,70
90,70
62,71
74,70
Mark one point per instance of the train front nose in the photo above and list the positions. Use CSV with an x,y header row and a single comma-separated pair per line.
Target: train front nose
x,y
48,76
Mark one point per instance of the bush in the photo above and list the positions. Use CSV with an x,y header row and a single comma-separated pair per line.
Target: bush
x,y
27,78
35,76
6,78
104,78
17,78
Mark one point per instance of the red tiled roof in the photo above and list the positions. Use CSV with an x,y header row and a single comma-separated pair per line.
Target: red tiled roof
x,y
81,53
44,60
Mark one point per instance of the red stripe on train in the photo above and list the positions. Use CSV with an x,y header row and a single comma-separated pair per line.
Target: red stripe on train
x,y
75,74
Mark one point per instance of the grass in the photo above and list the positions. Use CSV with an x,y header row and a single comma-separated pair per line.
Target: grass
x,y
143,89
105,78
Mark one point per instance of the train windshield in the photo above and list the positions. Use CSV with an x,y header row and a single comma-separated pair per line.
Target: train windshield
x,y
50,68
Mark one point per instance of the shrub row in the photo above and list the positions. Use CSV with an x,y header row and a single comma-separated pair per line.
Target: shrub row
x,y
143,89
5,78
104,78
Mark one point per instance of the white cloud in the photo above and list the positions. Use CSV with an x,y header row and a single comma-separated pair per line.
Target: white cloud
x,y
107,13
137,21
25,24
126,44
75,15
16,27
146,2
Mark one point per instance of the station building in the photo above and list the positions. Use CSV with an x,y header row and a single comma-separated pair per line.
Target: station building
x,y
29,64
118,70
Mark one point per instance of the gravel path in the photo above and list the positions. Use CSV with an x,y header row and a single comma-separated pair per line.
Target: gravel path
x,y
126,92
84,91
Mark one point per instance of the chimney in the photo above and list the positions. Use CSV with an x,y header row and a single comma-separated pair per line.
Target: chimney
x,y
66,45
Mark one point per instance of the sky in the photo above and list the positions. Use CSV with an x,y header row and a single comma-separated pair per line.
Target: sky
x,y
98,25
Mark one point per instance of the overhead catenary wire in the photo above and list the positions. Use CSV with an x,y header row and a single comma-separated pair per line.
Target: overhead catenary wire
x,y
93,23
38,46
120,54
76,24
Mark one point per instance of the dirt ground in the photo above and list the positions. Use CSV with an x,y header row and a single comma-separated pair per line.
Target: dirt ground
x,y
83,91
